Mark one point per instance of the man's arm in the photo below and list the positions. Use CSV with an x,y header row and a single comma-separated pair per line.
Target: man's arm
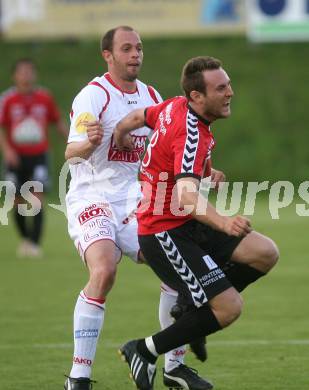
x,y
84,149
132,121
217,177
191,200
62,128
9,155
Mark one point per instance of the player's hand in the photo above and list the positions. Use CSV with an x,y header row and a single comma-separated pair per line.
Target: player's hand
x,y
95,132
123,142
217,177
11,158
238,226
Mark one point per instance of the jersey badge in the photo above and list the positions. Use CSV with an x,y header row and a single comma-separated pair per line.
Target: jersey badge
x,y
80,121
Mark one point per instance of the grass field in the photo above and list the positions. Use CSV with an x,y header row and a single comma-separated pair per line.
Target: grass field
x,y
267,349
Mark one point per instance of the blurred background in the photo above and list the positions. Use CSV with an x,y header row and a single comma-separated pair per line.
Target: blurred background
x,y
264,46
270,115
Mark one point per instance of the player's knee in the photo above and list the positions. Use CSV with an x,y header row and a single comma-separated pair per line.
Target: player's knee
x,y
269,255
273,254
141,259
230,309
233,309
104,275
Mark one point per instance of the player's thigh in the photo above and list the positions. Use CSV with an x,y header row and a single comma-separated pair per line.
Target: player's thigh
x,y
184,266
127,240
218,245
101,257
255,247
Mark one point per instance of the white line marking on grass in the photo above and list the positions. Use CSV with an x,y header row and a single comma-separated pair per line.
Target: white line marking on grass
x,y
112,344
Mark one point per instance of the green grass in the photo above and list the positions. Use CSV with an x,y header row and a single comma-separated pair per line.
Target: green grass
x,y
267,349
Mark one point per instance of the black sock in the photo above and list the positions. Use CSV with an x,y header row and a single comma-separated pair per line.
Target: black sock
x,y
21,223
193,324
36,233
144,351
241,275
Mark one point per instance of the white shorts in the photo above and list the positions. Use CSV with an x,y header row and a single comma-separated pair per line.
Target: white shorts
x,y
91,221
167,290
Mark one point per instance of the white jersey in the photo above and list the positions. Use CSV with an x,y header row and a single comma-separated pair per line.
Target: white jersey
x,y
111,173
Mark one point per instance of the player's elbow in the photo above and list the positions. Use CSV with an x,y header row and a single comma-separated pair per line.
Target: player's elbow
x,y
138,118
70,154
187,196
187,203
67,153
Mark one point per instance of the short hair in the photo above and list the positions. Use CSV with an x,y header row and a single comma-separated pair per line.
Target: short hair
x,y
192,74
107,41
21,61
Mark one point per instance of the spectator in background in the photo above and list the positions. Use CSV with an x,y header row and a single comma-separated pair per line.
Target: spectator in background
x,y
25,113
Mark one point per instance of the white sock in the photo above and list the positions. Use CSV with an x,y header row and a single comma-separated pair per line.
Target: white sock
x,y
88,322
168,299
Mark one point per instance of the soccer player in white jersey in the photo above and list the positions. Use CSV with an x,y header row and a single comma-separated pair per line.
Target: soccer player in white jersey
x,y
103,196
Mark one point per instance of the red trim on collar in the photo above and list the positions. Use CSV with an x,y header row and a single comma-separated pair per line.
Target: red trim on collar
x,y
111,81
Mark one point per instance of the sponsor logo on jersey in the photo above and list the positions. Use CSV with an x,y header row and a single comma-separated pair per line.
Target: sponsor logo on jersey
x,y
168,111
165,117
146,173
209,262
114,154
93,211
80,121
28,131
132,102
86,333
80,360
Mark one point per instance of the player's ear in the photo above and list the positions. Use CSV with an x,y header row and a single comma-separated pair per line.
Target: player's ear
x,y
107,55
196,96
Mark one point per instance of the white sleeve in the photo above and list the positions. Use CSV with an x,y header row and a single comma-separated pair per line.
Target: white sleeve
x,y
87,106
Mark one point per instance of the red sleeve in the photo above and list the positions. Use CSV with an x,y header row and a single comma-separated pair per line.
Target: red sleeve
x,y
53,111
152,113
190,153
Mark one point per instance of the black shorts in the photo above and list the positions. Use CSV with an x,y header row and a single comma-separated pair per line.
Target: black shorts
x,y
190,260
34,168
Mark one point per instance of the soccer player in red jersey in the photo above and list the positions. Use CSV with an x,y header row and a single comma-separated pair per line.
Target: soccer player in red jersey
x,y
25,113
206,257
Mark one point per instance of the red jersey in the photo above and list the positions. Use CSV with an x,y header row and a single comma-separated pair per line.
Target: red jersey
x,y
180,146
26,117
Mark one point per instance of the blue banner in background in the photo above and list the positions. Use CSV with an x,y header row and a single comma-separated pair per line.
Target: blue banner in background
x,y
214,11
